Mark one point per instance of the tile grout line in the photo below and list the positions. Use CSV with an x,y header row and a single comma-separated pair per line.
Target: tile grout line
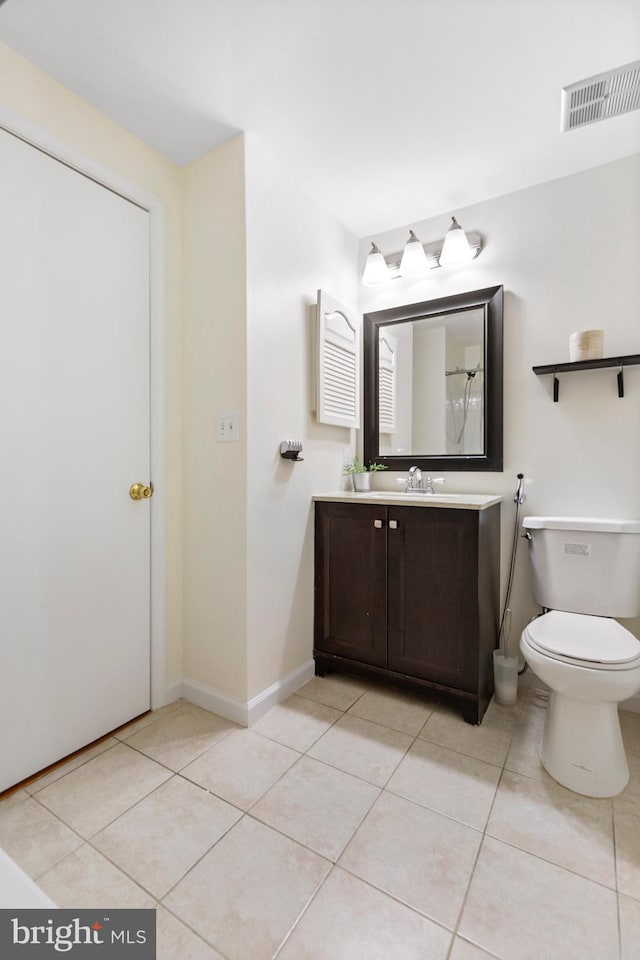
x,y
475,863
243,810
274,740
552,863
79,766
303,911
297,693
317,853
187,926
392,896
200,858
615,874
126,810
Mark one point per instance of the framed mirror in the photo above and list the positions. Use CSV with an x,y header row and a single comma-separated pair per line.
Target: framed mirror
x,y
433,383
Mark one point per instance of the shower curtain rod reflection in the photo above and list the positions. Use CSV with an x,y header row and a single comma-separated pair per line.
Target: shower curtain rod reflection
x,y
469,371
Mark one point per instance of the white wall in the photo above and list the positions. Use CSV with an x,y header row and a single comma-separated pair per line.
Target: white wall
x,y
429,389
294,248
568,255
256,250
214,375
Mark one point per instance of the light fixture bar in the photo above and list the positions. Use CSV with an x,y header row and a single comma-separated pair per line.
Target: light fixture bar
x,y
432,252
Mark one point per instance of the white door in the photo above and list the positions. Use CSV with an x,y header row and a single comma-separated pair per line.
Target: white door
x,y
74,436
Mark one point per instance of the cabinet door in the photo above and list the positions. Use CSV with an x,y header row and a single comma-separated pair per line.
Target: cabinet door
x,y
350,581
433,595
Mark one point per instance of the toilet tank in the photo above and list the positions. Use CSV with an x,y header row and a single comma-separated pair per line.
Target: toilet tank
x,y
585,564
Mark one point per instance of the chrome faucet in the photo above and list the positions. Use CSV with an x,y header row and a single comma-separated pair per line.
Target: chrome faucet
x,y
415,481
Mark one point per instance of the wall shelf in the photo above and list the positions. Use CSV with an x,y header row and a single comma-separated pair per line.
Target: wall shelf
x,y
555,368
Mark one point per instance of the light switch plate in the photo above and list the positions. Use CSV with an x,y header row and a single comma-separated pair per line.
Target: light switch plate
x,y
227,428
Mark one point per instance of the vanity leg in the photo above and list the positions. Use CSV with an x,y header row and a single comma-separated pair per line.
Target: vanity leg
x,y
320,667
470,714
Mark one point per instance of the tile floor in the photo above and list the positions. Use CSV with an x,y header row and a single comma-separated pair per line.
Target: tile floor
x,y
350,823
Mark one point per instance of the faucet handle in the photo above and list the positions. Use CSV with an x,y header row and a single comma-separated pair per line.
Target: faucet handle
x,y
429,482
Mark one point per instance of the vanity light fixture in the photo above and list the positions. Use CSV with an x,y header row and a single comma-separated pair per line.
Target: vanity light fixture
x,y
375,269
414,259
417,258
455,248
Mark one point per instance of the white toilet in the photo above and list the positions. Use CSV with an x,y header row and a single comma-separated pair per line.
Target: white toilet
x,y
584,572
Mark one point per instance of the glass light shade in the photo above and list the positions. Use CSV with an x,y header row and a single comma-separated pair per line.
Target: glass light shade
x,y
455,248
414,260
375,269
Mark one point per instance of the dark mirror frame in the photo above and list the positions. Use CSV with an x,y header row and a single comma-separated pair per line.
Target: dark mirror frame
x,y
491,299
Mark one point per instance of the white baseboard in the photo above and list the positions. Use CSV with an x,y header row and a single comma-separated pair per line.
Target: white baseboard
x,y
279,691
172,692
209,698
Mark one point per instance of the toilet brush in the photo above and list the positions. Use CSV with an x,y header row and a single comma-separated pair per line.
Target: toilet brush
x,y
505,667
504,639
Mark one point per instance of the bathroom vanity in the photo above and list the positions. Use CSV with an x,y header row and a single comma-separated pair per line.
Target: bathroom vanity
x,y
407,592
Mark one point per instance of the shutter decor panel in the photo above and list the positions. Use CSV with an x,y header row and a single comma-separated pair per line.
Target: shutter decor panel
x,y
387,382
338,357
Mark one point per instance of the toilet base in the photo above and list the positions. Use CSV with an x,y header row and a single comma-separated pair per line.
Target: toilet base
x,y
582,747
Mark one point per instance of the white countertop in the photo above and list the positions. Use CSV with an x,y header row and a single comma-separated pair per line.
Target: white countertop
x,y
452,501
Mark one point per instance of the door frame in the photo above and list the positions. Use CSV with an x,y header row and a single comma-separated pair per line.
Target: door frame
x,y
21,126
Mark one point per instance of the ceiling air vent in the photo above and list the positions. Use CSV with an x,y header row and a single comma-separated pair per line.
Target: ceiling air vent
x,y
605,95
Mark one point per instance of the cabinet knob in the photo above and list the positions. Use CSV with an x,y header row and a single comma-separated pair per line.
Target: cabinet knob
x,y
378,524
393,524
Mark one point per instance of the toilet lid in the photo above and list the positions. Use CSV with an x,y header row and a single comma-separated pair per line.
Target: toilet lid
x,y
578,636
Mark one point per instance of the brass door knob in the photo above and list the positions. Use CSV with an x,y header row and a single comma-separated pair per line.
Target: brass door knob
x,y
139,491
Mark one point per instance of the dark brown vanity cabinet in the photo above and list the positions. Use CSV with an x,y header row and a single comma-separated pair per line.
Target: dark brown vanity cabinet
x,y
409,594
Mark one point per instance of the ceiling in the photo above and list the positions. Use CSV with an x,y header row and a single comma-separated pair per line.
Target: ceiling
x,y
386,111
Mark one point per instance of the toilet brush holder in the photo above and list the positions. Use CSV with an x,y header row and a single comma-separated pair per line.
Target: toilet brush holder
x,y
505,676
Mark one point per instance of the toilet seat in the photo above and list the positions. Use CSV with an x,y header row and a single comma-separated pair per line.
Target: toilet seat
x,y
599,643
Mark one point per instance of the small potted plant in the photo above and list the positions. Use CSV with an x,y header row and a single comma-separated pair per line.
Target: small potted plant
x,y
361,475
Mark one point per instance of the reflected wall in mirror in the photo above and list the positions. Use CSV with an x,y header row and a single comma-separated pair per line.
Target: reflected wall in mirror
x,y
433,383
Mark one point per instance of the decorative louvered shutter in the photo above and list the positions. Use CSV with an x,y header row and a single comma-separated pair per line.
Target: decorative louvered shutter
x,y
387,382
338,355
